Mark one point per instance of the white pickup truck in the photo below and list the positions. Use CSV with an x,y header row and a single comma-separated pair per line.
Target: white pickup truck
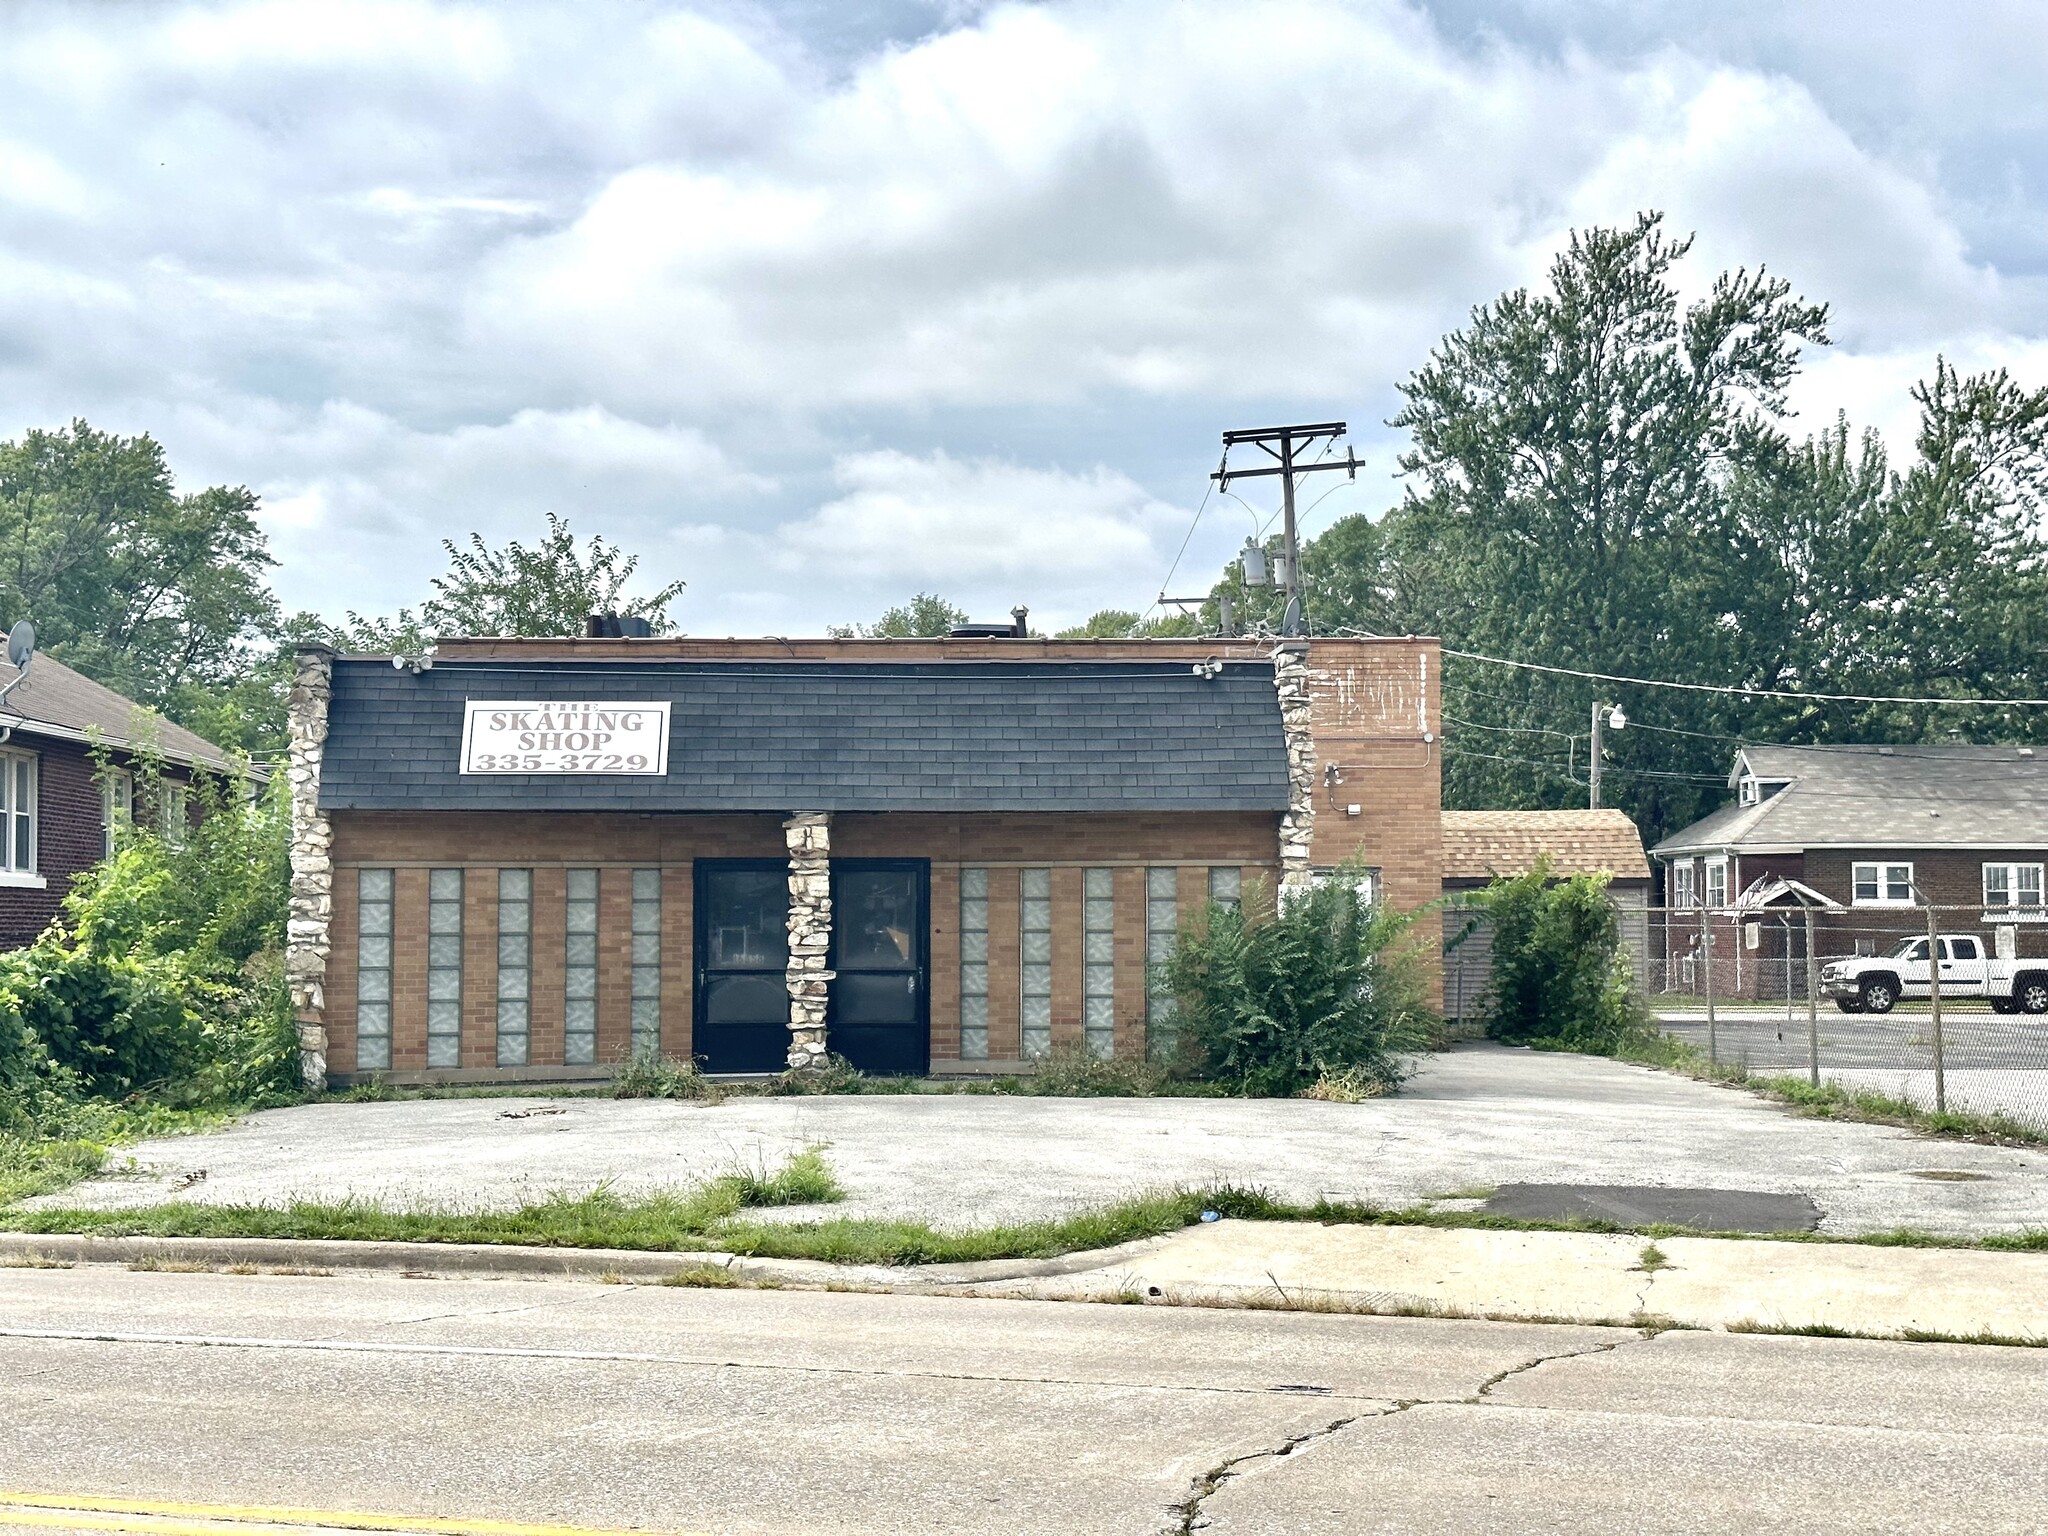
x,y
1876,984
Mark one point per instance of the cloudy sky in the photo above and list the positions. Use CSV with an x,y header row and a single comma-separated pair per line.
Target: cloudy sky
x,y
818,304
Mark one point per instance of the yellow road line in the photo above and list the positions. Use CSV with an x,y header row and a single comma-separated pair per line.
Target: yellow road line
x,y
91,1512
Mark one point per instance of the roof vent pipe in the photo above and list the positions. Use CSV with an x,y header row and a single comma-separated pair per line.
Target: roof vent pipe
x,y
1019,627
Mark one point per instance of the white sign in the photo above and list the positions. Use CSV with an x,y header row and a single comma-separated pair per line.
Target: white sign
x,y
564,737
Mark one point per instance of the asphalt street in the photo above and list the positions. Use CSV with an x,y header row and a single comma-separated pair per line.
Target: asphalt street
x,y
201,1402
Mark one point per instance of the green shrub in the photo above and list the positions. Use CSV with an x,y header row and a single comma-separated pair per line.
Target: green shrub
x,y
115,1022
1560,978
1270,1003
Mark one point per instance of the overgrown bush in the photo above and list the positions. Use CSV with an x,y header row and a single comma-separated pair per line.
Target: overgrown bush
x,y
164,971
650,1075
1560,978
1075,1072
1269,1004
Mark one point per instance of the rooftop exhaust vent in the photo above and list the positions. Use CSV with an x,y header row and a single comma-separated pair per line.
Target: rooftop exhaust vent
x,y
617,626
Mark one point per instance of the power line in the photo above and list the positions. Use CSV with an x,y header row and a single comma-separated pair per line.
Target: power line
x,y
1727,688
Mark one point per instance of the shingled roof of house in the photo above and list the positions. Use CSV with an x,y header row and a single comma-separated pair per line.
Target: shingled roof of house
x,y
1479,845
56,701
822,736
1923,796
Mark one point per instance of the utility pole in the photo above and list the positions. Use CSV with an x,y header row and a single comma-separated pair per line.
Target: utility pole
x,y
1604,715
1283,445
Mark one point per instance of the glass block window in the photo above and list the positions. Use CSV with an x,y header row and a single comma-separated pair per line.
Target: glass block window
x,y
1034,921
1162,924
1226,885
974,964
373,970
444,967
515,965
646,962
1098,961
579,970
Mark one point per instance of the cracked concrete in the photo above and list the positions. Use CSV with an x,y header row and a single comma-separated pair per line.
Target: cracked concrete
x,y
1188,1516
1475,1117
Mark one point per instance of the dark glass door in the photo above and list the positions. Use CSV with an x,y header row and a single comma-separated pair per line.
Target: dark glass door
x,y
742,944
880,1013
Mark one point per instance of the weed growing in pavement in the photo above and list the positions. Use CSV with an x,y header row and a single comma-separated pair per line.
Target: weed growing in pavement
x,y
1652,1259
705,1277
1347,1085
653,1076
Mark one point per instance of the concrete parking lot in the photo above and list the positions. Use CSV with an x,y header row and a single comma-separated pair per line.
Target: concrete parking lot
x,y
1470,1119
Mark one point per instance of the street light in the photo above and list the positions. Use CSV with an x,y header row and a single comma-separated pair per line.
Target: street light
x,y
1608,716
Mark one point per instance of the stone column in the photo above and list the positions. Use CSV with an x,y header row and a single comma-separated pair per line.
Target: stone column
x,y
808,835
1297,825
312,847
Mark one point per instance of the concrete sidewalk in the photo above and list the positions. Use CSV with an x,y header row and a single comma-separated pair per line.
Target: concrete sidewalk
x,y
1577,1277
1698,1282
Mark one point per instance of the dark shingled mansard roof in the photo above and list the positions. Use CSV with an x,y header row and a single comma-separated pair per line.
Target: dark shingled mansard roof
x,y
810,736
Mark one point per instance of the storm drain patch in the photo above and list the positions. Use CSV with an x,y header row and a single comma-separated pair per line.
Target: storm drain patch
x,y
1646,1205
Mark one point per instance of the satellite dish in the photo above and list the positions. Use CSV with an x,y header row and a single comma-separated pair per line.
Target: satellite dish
x,y
21,645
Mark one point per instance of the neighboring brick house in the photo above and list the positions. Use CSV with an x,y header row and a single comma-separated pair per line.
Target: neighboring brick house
x,y
58,806
1482,846
1870,831
926,855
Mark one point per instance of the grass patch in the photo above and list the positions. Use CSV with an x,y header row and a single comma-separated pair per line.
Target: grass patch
x,y
1652,1259
1833,1101
76,1144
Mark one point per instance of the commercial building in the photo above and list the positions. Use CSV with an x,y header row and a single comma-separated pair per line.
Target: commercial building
x,y
537,858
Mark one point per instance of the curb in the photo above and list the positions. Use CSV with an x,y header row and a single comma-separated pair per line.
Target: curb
x,y
506,1261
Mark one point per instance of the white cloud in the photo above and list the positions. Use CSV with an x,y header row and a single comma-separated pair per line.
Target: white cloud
x,y
413,268
989,533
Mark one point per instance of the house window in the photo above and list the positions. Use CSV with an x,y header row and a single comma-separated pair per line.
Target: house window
x,y
646,962
444,967
1747,794
579,968
974,964
1034,921
1683,892
117,805
18,811
515,965
1882,885
1098,961
2012,886
373,969
1226,885
1717,882
173,814
1162,926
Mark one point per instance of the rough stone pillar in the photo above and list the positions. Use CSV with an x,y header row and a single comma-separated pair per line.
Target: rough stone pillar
x,y
1297,825
808,835
312,847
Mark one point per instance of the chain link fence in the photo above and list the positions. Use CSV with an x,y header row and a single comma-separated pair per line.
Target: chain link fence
x,y
1846,997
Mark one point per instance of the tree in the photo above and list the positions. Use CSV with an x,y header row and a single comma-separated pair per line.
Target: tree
x,y
161,596
1569,457
925,616
1122,624
550,589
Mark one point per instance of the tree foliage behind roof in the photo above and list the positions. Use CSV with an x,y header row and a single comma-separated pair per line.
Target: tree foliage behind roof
x,y
547,589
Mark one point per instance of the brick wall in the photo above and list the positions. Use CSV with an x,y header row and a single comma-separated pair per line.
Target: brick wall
x,y
70,832
482,843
